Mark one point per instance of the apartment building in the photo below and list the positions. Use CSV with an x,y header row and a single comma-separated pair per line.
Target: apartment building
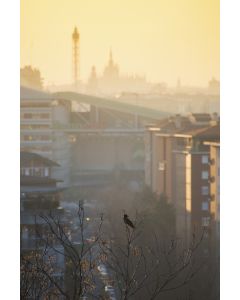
x,y
177,165
159,146
193,179
38,189
40,118
215,194
39,195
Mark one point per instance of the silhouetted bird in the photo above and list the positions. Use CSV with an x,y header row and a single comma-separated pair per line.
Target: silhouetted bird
x,y
128,221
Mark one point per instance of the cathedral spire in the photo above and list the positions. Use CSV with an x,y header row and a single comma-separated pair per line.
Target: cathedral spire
x,y
110,56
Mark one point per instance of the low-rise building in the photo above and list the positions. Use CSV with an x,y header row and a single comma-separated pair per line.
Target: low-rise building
x,y
39,196
39,193
40,118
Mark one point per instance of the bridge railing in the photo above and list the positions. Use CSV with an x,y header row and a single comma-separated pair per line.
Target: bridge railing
x,y
73,126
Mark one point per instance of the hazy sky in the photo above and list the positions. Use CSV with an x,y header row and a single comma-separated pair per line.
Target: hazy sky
x,y
163,39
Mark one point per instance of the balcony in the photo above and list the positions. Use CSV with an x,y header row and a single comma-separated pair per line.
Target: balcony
x,y
36,121
37,142
29,109
212,197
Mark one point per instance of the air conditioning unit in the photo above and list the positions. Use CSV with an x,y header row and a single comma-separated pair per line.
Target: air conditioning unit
x,y
212,197
211,162
211,179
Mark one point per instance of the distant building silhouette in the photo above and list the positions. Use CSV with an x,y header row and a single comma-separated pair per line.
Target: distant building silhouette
x,y
214,87
112,82
93,81
111,71
31,77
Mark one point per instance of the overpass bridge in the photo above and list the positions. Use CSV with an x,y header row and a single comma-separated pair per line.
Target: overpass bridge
x,y
99,131
110,113
113,104
108,139
98,144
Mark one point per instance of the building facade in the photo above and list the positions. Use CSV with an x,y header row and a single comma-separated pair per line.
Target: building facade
x,y
215,194
40,118
177,165
39,195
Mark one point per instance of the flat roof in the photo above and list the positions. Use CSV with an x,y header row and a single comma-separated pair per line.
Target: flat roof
x,y
113,104
33,94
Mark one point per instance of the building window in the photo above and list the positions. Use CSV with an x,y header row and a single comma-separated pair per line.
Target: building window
x,y
205,190
161,166
206,234
204,159
37,172
181,142
205,221
204,174
46,172
44,116
27,138
27,116
27,172
205,206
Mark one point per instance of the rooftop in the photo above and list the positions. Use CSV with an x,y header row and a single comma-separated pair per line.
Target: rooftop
x,y
202,117
204,132
27,157
207,132
33,94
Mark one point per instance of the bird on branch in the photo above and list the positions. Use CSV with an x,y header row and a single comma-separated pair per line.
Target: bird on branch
x,y
127,221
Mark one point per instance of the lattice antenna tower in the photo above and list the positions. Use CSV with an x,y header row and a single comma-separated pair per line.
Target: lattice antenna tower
x,y
75,47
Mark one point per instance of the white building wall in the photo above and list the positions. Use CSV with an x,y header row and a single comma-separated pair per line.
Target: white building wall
x,y
48,142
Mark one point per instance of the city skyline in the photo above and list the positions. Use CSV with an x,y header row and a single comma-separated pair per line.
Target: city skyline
x,y
152,34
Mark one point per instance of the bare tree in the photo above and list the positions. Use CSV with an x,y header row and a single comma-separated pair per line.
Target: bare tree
x,y
79,261
144,272
139,270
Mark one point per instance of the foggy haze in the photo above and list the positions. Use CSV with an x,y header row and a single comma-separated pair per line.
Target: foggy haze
x,y
120,150
164,40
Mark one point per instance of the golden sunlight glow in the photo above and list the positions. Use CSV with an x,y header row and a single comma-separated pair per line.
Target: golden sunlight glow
x,y
164,39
